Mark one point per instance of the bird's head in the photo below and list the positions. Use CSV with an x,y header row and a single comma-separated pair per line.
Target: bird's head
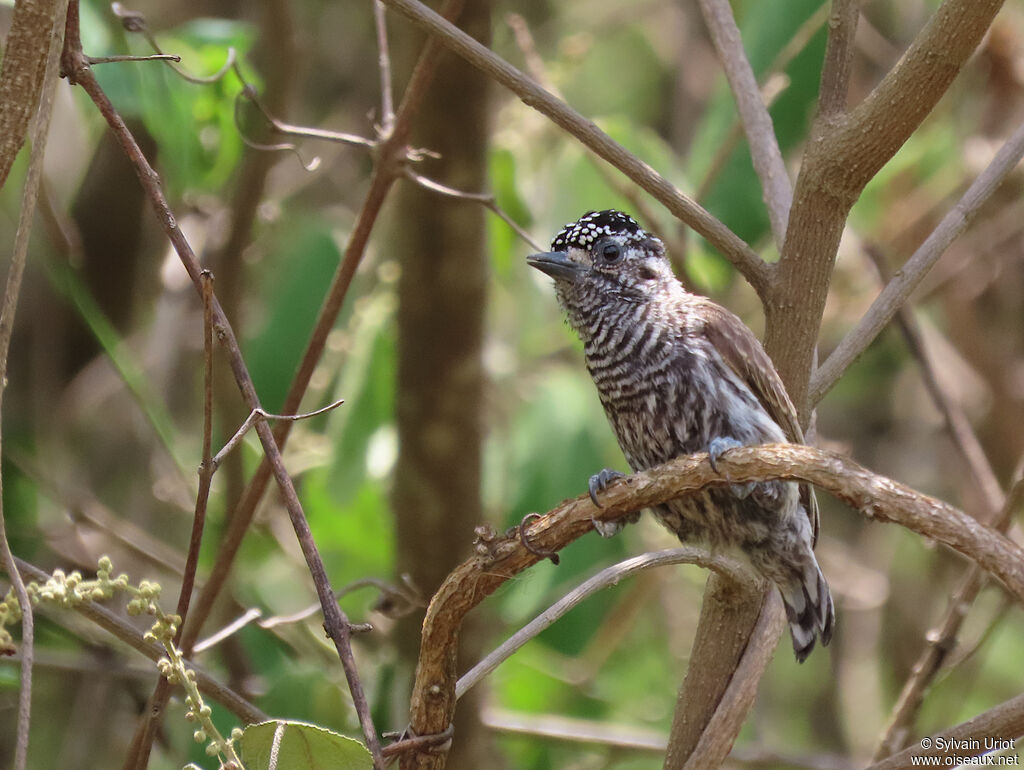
x,y
602,258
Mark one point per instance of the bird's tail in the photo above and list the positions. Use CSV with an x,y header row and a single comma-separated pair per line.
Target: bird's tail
x,y
808,605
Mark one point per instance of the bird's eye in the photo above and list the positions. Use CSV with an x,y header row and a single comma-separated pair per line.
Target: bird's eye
x,y
610,252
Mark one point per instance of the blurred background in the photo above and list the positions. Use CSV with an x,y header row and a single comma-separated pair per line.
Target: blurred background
x,y
466,399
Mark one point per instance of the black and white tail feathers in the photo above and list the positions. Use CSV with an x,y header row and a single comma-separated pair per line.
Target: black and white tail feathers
x,y
809,608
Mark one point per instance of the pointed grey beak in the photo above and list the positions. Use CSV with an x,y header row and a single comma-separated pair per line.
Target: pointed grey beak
x,y
556,264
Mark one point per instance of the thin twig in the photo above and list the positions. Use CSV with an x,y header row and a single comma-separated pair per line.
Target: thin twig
x,y
339,137
236,625
206,466
1003,722
152,57
12,291
135,21
941,639
387,100
896,293
254,613
311,165
138,754
261,414
609,576
753,268
434,742
838,64
776,187
957,423
487,200
575,730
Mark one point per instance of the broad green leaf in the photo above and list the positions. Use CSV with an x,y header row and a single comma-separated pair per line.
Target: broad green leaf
x,y
300,746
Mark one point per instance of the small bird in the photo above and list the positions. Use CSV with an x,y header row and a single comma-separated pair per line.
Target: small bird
x,y
678,374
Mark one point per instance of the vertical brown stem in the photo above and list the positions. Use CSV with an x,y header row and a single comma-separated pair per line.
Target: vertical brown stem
x,y
441,247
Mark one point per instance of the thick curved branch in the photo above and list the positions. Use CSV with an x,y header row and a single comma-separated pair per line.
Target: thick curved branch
x,y
753,268
880,498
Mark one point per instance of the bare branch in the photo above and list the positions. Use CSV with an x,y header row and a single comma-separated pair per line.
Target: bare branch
x,y
835,71
575,730
753,268
387,100
433,699
487,200
940,641
1005,722
117,59
728,567
772,87
729,620
135,21
757,123
288,129
145,734
896,293
247,617
845,153
260,414
957,423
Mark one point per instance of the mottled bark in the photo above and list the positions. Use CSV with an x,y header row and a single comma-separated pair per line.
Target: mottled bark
x,y
21,79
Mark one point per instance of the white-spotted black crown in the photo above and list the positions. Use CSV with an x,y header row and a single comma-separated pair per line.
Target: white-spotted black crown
x,y
597,224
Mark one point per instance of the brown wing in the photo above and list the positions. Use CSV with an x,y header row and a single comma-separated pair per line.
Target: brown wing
x,y
742,351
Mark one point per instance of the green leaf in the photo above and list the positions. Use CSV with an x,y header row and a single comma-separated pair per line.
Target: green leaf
x,y
300,746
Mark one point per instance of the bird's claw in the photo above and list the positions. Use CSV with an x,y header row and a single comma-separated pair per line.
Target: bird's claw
x,y
600,481
716,448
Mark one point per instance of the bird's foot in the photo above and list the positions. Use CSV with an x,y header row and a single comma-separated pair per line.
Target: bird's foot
x,y
598,483
718,446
